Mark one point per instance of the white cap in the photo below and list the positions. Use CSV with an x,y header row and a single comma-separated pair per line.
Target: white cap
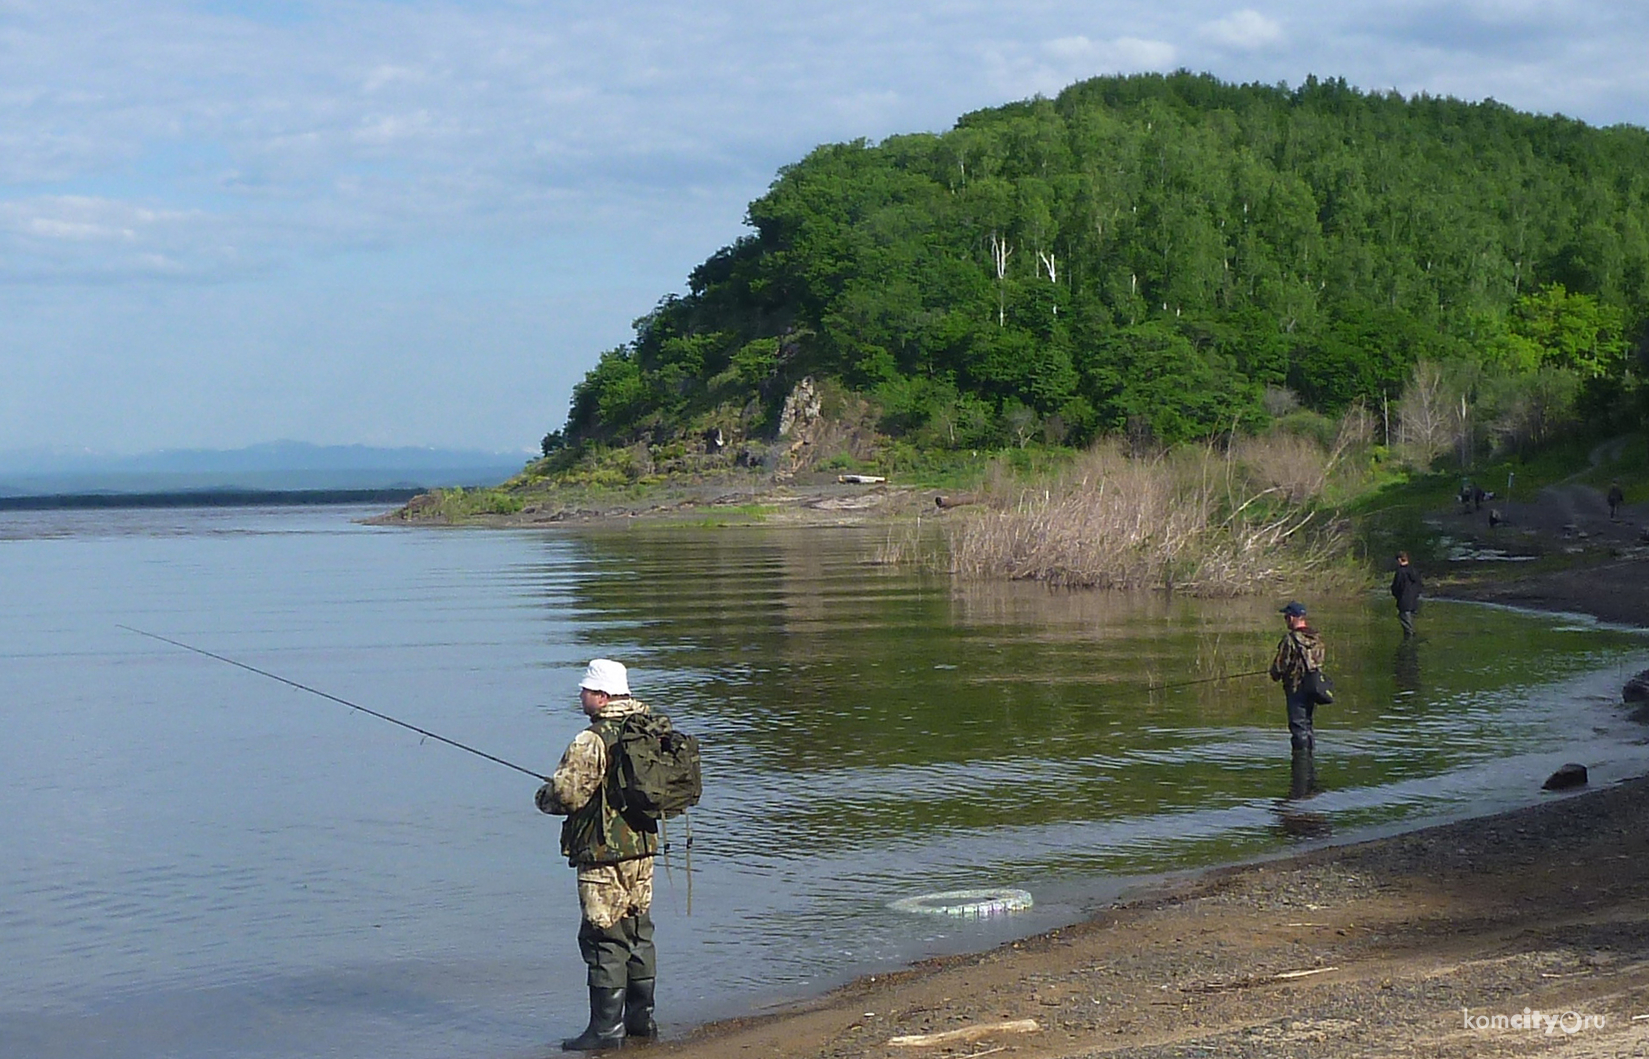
x,y
604,674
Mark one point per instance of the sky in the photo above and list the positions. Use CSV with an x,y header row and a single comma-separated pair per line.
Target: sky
x,y
400,222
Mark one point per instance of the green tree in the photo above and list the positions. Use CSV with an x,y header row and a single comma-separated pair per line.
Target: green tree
x,y
1159,248
1575,332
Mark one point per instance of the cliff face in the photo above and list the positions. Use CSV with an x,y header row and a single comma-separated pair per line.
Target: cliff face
x,y
814,428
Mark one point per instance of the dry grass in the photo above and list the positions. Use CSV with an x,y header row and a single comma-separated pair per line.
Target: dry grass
x,y
1196,520
905,544
1297,467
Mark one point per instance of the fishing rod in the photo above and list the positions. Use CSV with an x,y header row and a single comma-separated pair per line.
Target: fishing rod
x,y
342,702
1207,680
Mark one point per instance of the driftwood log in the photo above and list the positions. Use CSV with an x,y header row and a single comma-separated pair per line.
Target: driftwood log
x,y
966,1033
955,501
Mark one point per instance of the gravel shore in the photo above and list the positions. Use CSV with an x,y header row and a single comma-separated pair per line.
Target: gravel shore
x,y
1404,945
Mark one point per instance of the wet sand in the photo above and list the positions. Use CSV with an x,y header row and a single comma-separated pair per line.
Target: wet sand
x,y
1441,942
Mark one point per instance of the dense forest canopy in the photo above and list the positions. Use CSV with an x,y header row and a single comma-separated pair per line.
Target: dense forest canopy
x,y
1166,253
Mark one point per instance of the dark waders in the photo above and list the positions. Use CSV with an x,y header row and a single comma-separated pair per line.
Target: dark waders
x,y
1302,738
620,953
623,971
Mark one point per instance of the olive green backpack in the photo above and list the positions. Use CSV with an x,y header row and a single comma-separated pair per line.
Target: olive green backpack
x,y
656,766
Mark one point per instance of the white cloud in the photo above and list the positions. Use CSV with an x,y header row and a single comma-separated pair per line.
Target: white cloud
x,y
1245,30
60,237
1019,70
387,74
1107,56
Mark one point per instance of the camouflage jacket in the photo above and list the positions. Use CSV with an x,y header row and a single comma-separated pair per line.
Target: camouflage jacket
x,y
1300,650
584,790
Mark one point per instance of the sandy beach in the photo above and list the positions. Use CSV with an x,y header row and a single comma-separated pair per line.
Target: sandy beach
x,y
1525,933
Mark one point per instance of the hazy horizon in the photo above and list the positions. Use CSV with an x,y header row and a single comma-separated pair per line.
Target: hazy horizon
x,y
271,466
284,452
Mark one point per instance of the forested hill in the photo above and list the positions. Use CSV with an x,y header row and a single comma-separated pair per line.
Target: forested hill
x,y
1153,251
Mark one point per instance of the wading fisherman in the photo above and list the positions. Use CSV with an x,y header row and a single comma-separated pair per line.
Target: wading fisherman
x,y
1299,650
1405,589
615,867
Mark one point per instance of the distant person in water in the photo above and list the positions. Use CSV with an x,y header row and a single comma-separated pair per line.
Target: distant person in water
x,y
1405,588
1299,652
1617,497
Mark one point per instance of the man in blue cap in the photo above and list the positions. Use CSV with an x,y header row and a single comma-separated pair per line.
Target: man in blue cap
x,y
1300,651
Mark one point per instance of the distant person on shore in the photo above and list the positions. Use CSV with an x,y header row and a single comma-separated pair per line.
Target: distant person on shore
x,y
615,867
1300,651
1405,588
1617,497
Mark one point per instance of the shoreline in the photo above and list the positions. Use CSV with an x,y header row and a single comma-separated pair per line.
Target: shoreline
x,y
810,502
1398,943
1377,946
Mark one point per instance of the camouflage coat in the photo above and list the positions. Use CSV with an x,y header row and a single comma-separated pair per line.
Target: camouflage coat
x,y
1300,650
614,858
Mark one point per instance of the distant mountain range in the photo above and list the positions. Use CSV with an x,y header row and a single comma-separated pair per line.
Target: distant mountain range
x,y
276,466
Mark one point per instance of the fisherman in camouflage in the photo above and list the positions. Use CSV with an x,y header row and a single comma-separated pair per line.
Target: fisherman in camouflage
x,y
1300,649
614,858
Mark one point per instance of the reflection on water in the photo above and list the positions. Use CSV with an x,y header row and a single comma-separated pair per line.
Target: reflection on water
x,y
1405,667
212,864
1302,773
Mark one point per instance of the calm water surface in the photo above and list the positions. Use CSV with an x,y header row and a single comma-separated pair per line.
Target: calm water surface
x,y
203,862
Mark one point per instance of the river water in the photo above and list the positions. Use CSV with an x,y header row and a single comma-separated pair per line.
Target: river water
x,y
200,861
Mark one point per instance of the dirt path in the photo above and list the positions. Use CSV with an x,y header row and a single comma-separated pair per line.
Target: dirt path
x,y
1566,517
1608,575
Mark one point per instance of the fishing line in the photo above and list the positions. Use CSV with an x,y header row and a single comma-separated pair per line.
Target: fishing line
x,y
1206,680
342,702
1151,689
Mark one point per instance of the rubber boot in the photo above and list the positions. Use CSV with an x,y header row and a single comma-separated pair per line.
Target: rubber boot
x,y
638,1009
606,1028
